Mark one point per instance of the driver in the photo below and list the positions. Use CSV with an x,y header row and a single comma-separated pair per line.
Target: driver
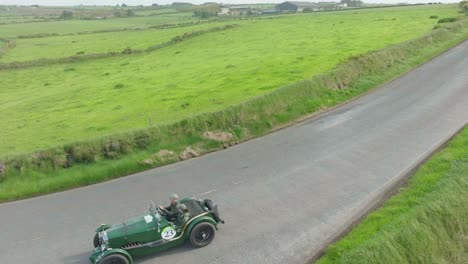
x,y
171,210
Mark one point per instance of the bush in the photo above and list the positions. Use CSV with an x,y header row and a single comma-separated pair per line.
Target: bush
x,y
463,5
119,86
206,11
111,150
82,154
447,20
142,140
41,159
433,17
127,50
66,15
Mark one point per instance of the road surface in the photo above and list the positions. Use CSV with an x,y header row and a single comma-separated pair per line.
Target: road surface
x,y
284,196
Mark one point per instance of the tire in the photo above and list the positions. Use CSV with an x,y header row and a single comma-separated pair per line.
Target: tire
x,y
96,241
114,259
208,203
202,234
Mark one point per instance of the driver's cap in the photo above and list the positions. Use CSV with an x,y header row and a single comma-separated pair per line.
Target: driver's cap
x,y
174,196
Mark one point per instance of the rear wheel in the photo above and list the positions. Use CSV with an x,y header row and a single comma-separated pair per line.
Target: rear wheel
x,y
96,242
114,259
202,234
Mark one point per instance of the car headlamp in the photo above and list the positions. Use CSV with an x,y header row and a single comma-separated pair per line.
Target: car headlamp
x,y
103,239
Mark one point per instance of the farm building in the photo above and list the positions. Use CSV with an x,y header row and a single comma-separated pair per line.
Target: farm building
x,y
224,11
270,12
297,6
239,10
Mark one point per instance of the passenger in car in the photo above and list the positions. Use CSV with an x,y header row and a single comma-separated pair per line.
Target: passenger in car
x,y
183,216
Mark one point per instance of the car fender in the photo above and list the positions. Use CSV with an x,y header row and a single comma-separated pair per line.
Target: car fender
x,y
198,220
112,251
103,227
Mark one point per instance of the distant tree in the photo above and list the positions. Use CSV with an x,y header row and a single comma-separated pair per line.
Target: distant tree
x,y
66,15
154,5
206,11
180,4
463,5
124,13
124,5
130,13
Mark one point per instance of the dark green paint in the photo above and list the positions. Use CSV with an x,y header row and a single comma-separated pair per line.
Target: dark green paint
x,y
142,235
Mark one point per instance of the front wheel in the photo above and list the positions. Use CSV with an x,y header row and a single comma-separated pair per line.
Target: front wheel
x,y
202,234
114,259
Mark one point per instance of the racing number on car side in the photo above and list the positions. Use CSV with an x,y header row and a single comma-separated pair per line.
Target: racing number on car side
x,y
168,233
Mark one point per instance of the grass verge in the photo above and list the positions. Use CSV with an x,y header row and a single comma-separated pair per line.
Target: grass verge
x,y
427,222
92,161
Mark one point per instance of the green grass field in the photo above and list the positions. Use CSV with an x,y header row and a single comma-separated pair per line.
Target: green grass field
x,y
56,104
65,46
75,26
427,222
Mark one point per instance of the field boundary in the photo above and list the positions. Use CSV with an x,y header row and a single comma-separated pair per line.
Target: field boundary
x,y
383,194
126,52
123,29
253,118
162,26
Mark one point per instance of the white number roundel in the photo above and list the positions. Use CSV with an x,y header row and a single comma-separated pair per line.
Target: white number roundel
x,y
168,233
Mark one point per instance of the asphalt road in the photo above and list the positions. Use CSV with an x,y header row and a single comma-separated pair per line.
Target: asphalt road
x,y
283,196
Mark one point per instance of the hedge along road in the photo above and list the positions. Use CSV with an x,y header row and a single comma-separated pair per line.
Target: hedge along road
x,y
284,196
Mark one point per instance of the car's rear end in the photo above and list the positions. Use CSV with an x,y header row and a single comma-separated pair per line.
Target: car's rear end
x,y
197,207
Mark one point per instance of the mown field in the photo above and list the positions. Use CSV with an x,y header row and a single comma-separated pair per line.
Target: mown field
x,y
427,222
55,104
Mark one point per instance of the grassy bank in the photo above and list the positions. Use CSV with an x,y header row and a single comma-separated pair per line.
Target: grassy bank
x,y
97,160
426,222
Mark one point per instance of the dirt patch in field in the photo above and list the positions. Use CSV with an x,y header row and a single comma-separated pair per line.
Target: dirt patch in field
x,y
188,153
148,162
162,155
218,136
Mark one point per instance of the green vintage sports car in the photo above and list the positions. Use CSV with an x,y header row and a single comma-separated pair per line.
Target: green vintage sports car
x,y
152,233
